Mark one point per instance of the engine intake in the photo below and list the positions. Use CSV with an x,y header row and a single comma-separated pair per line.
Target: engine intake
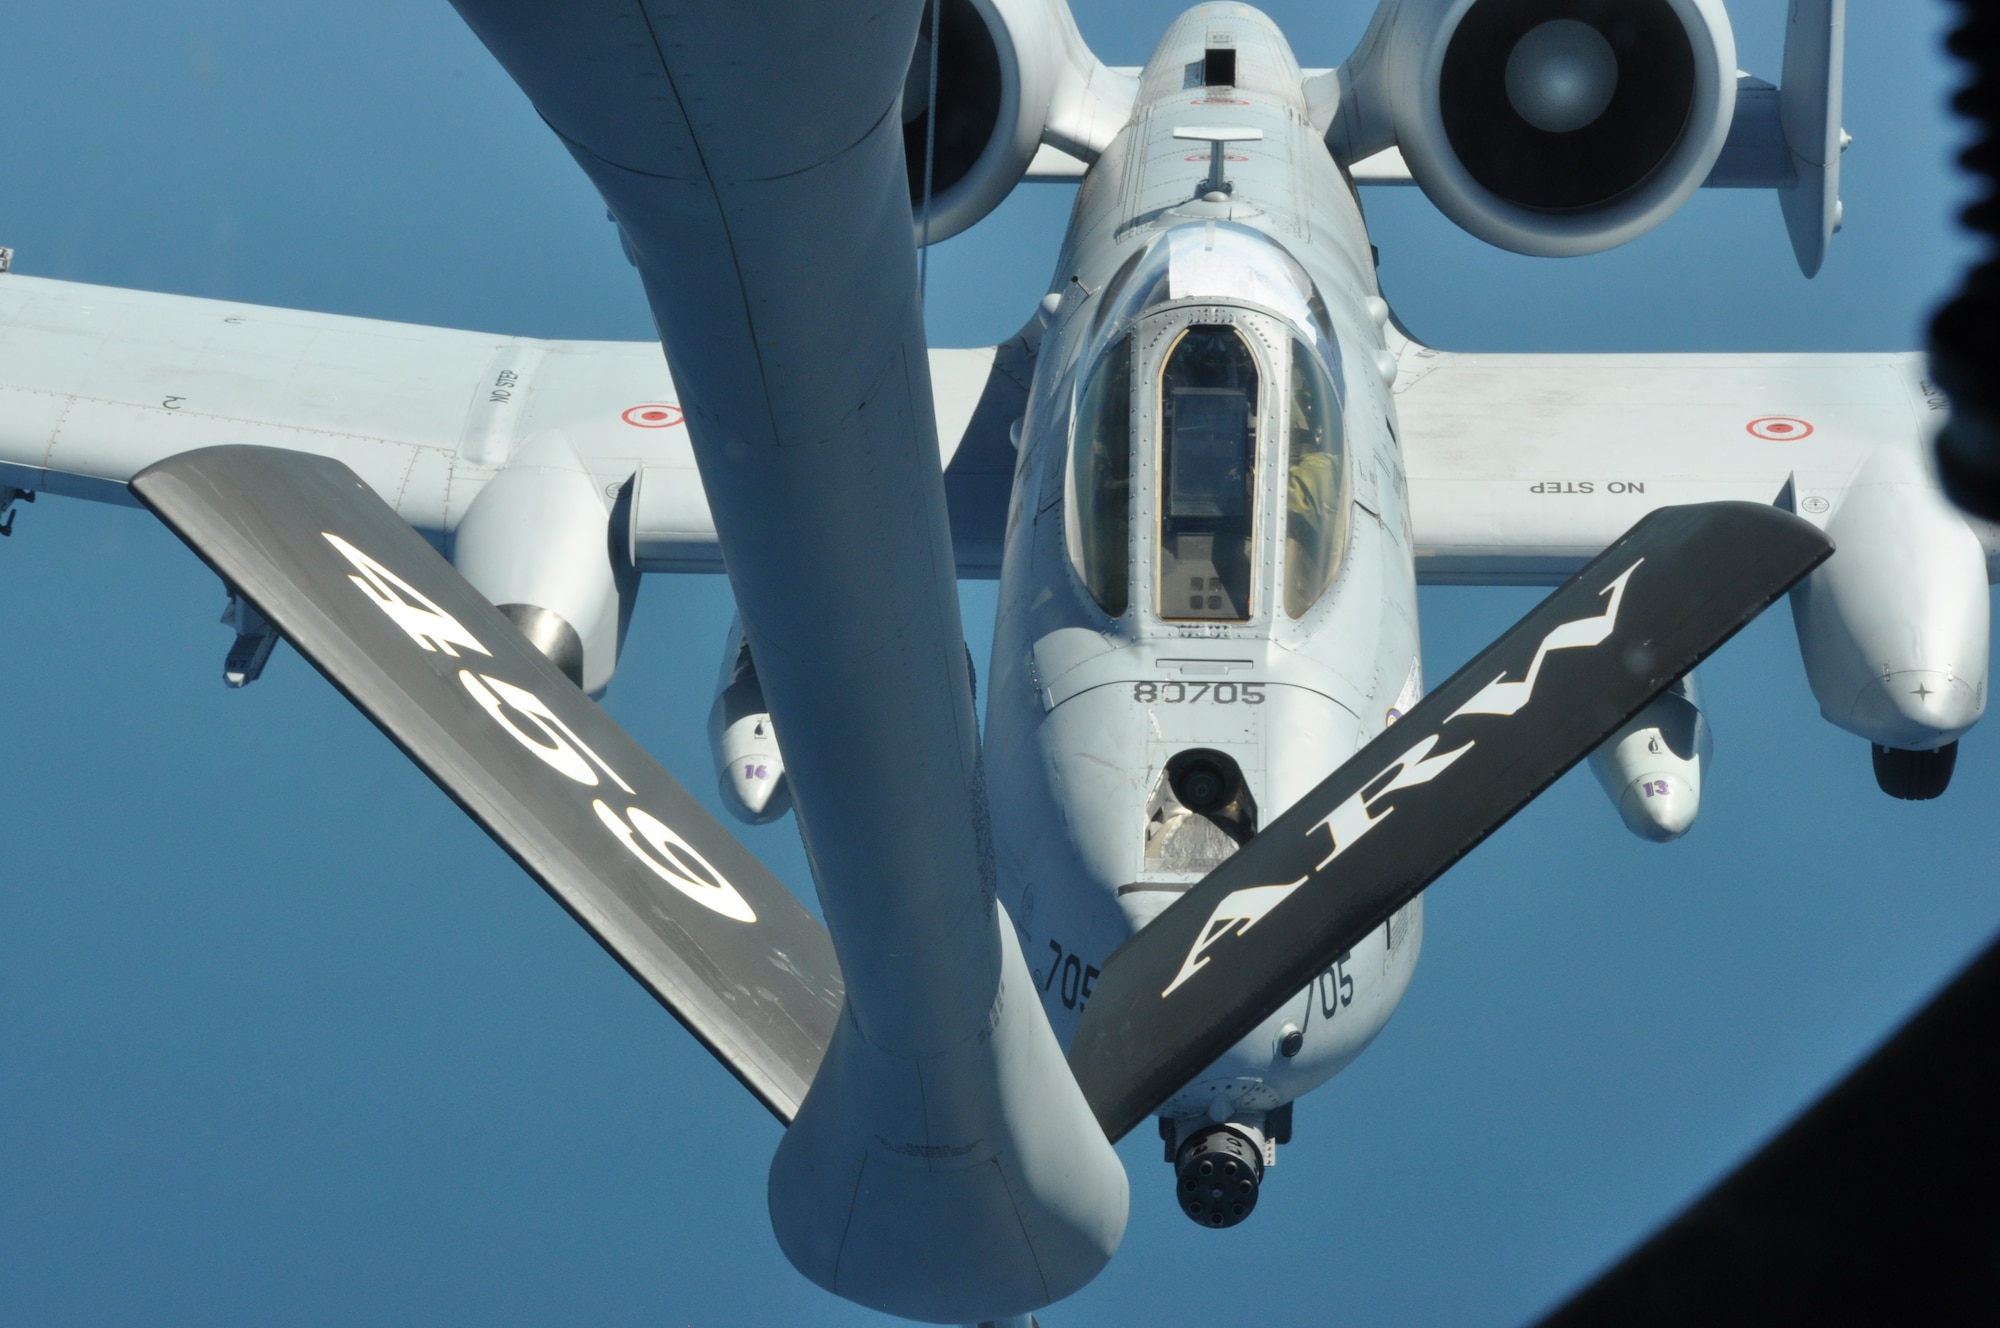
x,y
1011,75
971,88
1553,127
1565,104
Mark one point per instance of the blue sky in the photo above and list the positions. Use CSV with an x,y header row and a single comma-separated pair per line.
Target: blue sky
x,y
284,1038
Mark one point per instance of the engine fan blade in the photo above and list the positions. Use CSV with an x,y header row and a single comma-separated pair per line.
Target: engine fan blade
x,y
674,898
1426,792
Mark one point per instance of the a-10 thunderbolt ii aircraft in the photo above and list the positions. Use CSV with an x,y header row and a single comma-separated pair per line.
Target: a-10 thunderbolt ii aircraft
x,y
1207,473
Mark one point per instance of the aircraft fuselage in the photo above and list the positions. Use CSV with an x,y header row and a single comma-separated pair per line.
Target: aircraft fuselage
x,y
1208,597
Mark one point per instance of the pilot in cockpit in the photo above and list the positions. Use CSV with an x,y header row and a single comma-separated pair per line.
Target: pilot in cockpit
x,y
1209,391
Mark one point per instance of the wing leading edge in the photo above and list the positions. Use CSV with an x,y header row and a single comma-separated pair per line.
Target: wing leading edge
x,y
1522,468
580,805
97,383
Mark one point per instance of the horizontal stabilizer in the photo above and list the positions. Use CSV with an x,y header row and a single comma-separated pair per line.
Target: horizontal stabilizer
x,y
1386,824
660,884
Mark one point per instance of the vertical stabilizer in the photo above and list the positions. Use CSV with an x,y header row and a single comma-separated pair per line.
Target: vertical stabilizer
x,y
1809,110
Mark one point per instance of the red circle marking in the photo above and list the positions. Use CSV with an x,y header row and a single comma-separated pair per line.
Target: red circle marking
x,y
654,415
1779,428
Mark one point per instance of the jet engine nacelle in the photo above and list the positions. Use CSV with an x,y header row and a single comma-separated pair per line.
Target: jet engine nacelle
x,y
1549,127
1651,769
1011,75
1894,627
537,543
749,769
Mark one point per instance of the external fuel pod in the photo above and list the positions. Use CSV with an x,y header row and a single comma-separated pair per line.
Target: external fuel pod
x,y
749,768
1652,768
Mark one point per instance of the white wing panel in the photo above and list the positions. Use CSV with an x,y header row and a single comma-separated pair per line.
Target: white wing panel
x,y
1523,467
98,383
1520,467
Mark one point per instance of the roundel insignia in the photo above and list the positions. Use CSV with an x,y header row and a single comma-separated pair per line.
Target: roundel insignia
x,y
1779,428
653,415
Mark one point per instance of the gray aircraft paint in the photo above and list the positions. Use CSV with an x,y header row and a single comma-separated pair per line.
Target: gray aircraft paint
x,y
97,383
1519,468
1076,759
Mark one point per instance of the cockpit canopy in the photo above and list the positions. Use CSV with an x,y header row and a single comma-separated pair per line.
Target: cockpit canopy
x,y
1208,472
1211,404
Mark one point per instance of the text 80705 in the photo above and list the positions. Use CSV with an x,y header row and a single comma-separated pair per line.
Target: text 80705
x,y
1188,693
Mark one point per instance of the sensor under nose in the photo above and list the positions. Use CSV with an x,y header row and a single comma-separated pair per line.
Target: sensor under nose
x,y
1210,783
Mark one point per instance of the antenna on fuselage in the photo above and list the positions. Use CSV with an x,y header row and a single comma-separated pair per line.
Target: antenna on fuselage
x,y
1215,189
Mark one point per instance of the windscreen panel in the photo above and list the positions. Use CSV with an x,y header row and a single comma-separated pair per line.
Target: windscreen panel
x,y
1208,467
1316,511
1100,523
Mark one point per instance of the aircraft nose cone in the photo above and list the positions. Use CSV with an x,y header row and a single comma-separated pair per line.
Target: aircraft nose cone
x,y
1659,807
1561,75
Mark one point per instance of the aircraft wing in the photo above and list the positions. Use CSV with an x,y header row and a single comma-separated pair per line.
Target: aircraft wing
x,y
1521,468
580,805
97,383
981,395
